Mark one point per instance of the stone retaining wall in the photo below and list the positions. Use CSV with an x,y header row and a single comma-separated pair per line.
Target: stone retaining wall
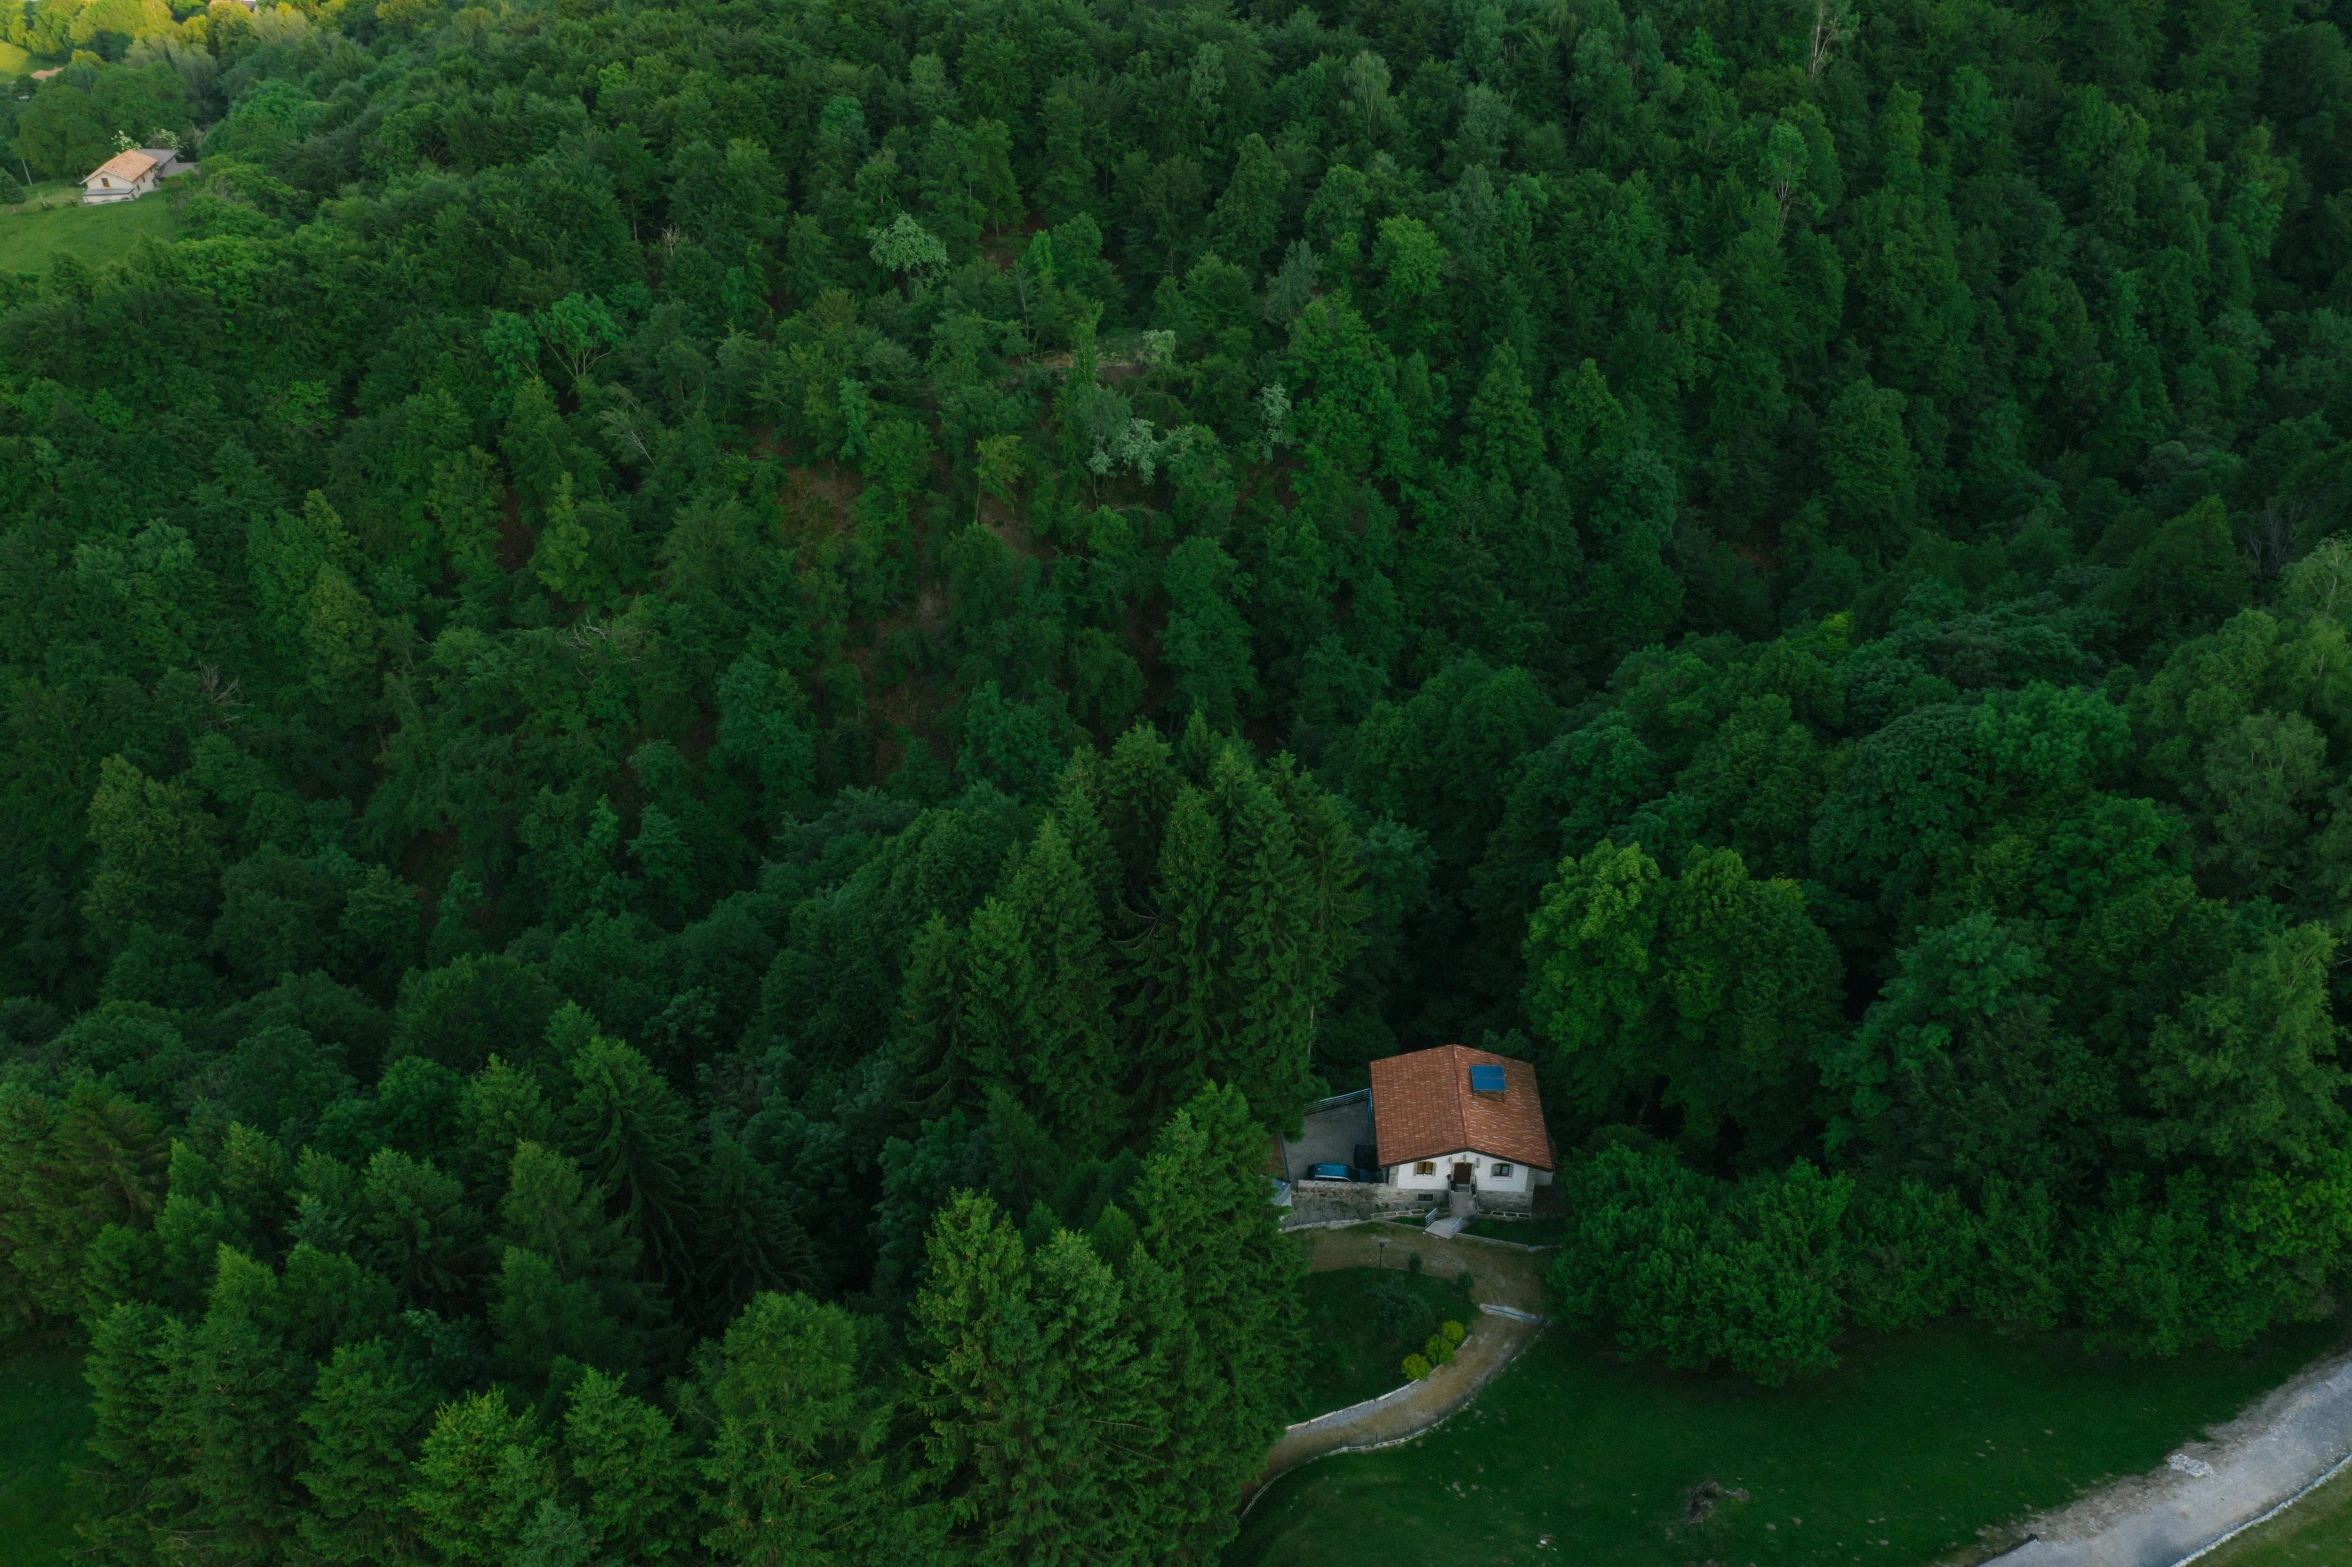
x,y
1350,1199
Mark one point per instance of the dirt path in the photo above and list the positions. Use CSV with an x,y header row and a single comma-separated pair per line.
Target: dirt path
x,y
1501,1275
2250,1466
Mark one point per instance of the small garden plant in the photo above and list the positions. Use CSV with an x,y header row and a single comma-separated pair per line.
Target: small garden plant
x,y
1437,1352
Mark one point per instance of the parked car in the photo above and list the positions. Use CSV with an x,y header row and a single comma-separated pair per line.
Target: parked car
x,y
1330,1172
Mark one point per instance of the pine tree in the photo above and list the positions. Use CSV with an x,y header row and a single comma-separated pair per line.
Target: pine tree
x,y
1135,787
1229,1382
366,1420
236,1409
1248,216
1178,1003
158,855
138,1471
630,1133
932,1050
482,1479
796,1460
750,1240
1065,1008
631,1471
1041,1427
566,1280
68,1169
1266,910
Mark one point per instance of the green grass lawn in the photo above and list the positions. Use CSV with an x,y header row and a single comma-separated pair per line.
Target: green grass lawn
x,y
31,237
1353,1352
44,1414
1549,1231
1900,1458
2315,1532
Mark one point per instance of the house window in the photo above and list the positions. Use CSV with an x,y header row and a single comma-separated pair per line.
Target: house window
x,y
1502,1170
1425,1167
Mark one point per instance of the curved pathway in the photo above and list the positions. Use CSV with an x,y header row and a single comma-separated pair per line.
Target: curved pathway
x,y
2208,1490
1506,1280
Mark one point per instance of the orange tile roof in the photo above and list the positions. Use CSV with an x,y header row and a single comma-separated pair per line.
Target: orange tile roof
x,y
123,166
1422,1108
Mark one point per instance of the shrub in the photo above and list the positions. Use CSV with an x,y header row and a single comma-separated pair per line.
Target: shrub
x,y
1413,1263
1401,1313
1416,1367
1438,1350
1454,1332
1694,1270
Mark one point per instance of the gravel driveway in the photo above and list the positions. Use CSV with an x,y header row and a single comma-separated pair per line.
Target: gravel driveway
x,y
2208,1488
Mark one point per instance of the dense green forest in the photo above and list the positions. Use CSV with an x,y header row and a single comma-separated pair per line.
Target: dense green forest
x,y
704,705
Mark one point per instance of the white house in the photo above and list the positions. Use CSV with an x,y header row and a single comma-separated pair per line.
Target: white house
x,y
129,175
1457,1120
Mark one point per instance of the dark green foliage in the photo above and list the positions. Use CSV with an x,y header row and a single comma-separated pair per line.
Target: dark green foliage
x,y
1402,1312
660,647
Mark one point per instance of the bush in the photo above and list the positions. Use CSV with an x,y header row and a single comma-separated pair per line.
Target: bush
x,y
1413,1263
1416,1367
1910,1252
1401,1313
1454,1332
12,191
1439,1350
1695,1271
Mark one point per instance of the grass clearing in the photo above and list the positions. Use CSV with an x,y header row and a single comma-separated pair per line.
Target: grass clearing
x,y
44,1415
32,236
1356,1347
2315,1532
1905,1455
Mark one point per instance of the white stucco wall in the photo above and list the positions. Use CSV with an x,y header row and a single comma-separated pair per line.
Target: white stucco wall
x,y
1442,1173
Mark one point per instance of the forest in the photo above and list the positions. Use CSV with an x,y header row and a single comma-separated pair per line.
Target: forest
x,y
705,706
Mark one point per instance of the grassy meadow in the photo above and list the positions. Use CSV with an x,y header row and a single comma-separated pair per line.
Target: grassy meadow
x,y
54,222
1913,1450
44,1414
1356,1349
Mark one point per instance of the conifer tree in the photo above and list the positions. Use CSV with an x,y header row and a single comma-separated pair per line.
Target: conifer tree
x,y
1177,1005
483,1478
749,1239
1040,1426
931,1048
631,1472
629,1132
1038,1007
1229,1379
566,1282
364,1424
796,1462
138,1469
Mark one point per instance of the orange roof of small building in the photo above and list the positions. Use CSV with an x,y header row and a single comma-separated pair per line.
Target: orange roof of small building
x,y
123,166
1422,1108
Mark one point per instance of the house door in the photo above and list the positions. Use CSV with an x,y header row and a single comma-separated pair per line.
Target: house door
x,y
1462,1174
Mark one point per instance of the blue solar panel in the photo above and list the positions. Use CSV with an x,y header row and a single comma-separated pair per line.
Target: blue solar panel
x,y
1486,1079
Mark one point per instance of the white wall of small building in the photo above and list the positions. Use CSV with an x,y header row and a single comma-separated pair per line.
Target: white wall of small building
x,y
110,189
1441,1173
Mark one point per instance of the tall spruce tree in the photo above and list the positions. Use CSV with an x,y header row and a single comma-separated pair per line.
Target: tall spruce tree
x,y
1039,1423
364,1424
1232,1377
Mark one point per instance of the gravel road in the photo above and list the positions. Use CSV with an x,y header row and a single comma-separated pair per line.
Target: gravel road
x,y
2248,1467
